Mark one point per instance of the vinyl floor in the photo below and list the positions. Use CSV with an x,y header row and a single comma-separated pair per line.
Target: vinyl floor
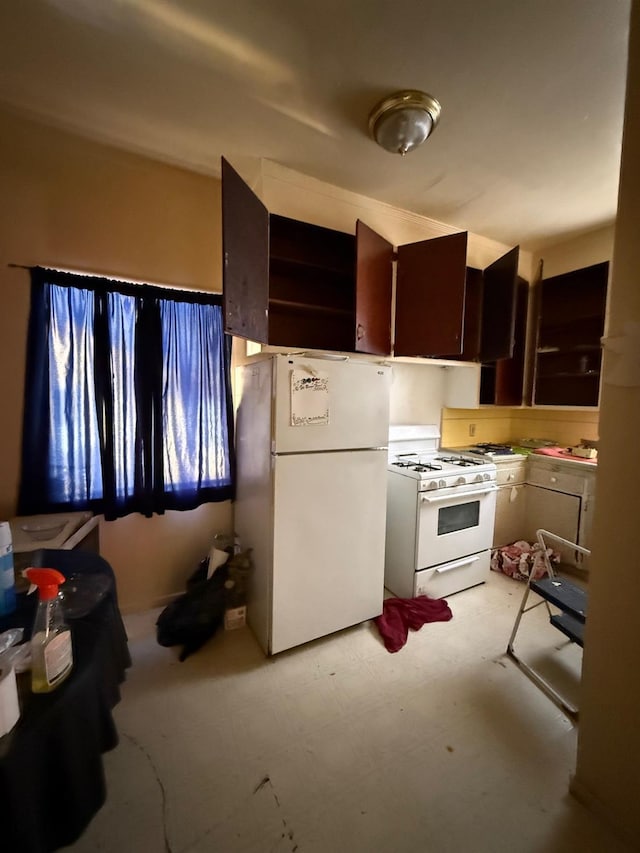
x,y
443,747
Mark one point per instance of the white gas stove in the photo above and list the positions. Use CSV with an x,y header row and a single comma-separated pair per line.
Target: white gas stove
x,y
440,515
413,452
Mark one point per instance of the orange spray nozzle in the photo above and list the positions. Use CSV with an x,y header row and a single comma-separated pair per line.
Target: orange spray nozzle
x,y
47,581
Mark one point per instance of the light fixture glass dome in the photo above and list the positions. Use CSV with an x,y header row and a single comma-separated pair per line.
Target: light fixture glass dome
x,y
404,120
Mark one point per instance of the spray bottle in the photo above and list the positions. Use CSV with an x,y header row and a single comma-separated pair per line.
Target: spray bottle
x,y
51,651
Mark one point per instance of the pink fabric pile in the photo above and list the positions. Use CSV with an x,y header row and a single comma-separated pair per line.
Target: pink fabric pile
x,y
401,614
522,560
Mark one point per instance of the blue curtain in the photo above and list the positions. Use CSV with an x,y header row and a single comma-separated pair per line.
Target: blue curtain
x,y
127,398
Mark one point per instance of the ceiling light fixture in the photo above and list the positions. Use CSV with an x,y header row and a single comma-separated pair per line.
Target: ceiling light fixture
x,y
404,120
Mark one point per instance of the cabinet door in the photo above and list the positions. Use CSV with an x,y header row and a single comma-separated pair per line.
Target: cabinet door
x,y
509,388
245,251
556,512
430,293
510,515
499,295
374,280
472,315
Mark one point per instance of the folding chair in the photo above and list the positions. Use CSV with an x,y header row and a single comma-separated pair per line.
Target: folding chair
x,y
570,599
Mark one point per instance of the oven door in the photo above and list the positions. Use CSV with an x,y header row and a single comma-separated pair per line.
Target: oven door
x,y
454,522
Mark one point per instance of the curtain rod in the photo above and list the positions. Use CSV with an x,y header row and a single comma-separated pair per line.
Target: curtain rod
x,y
172,291
137,281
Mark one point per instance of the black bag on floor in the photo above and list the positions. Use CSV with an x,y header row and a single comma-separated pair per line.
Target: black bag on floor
x,y
195,616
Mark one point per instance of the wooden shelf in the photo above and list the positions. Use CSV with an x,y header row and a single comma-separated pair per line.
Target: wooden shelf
x,y
569,349
571,339
308,308
567,374
305,329
570,328
309,246
278,262
558,390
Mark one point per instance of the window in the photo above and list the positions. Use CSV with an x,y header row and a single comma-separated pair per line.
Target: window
x,y
127,398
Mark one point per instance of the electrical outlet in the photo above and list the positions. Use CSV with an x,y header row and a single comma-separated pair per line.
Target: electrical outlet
x,y
472,430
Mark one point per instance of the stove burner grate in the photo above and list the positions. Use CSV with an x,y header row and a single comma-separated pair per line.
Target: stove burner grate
x,y
459,461
427,466
485,448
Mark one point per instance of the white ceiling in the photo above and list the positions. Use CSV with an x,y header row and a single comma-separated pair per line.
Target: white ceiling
x,y
532,91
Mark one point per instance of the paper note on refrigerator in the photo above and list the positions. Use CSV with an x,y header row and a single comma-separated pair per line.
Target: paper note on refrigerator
x,y
309,398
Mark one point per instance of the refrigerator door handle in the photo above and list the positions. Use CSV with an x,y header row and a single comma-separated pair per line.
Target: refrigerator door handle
x,y
327,356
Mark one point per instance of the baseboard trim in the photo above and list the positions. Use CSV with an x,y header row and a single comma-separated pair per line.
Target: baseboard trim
x,y
585,796
161,601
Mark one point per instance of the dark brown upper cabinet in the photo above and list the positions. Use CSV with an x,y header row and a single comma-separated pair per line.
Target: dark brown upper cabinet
x,y
472,315
291,283
374,283
491,297
570,325
245,252
430,297
499,298
502,380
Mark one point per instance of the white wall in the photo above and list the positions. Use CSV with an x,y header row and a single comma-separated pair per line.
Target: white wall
x,y
608,768
417,394
71,203
584,251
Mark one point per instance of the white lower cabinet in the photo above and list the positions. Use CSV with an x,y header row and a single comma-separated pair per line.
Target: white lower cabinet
x,y
510,515
510,501
560,498
556,512
540,492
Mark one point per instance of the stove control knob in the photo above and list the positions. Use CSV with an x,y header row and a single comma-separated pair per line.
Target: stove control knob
x,y
486,477
441,484
432,485
477,478
460,481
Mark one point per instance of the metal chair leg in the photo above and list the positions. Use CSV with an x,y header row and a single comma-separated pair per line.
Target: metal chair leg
x,y
569,709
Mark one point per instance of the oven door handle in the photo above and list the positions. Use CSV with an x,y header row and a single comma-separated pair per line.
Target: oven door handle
x,y
456,565
452,495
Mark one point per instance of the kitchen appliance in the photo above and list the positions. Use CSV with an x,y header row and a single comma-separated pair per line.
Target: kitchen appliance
x,y
440,515
492,451
510,465
311,469
534,443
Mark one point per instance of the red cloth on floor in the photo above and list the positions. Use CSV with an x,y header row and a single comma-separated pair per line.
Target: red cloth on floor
x,y
400,614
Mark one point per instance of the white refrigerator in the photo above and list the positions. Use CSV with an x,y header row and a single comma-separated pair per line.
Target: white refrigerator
x,y
311,440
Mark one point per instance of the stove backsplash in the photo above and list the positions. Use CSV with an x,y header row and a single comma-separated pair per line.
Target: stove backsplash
x,y
463,427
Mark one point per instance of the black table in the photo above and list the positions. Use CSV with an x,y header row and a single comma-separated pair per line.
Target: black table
x,y
51,771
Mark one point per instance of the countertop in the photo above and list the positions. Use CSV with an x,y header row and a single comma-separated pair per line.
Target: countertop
x,y
567,461
565,454
558,455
